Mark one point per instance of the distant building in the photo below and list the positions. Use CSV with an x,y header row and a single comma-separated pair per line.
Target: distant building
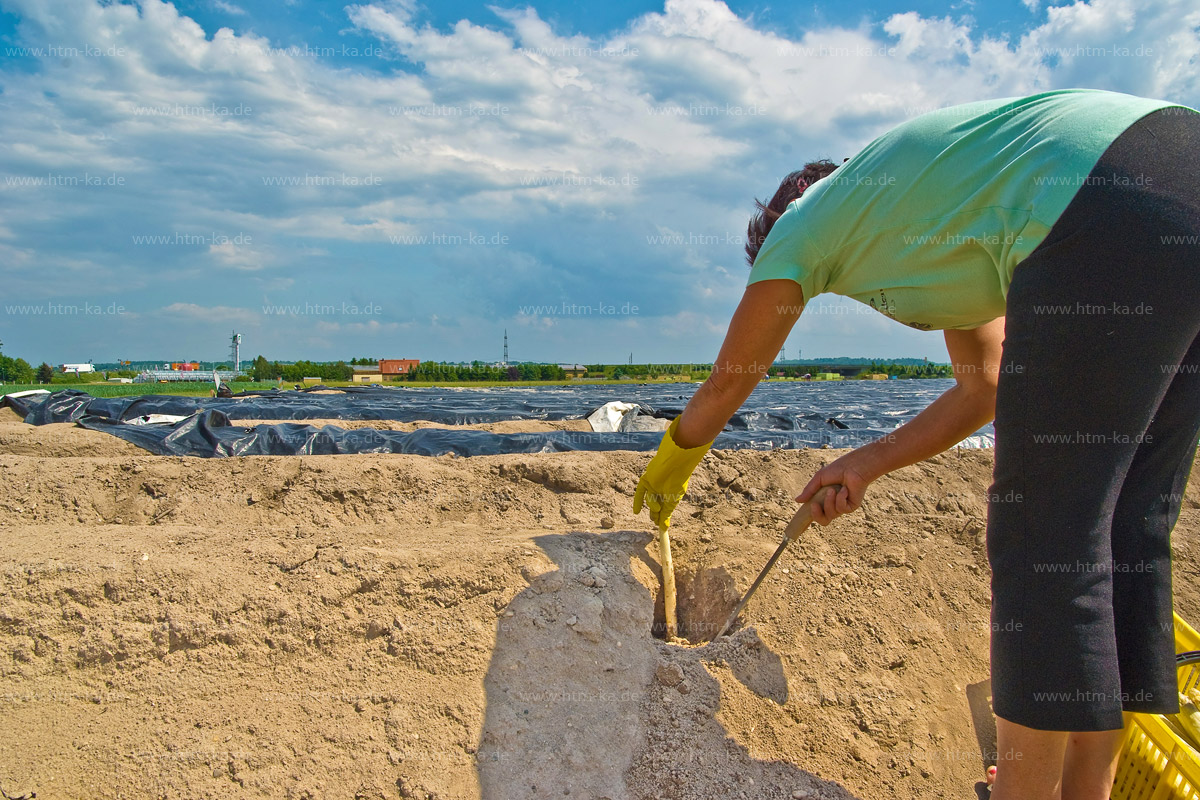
x,y
365,373
574,370
76,368
391,367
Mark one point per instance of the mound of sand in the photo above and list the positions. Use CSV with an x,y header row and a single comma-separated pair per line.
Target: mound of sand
x,y
399,626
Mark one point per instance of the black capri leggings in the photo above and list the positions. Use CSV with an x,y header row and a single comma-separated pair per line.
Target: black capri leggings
x,y
1097,418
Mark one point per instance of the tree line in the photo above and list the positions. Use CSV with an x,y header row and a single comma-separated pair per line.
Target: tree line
x,y
16,370
479,371
619,371
910,370
263,370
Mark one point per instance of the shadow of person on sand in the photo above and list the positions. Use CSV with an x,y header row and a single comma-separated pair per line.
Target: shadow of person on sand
x,y
583,702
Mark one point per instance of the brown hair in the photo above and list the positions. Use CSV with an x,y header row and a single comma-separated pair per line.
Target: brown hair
x,y
790,188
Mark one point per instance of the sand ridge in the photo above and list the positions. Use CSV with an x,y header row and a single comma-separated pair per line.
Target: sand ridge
x,y
400,626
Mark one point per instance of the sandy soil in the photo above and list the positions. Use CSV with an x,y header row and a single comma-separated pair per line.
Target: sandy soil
x,y
399,626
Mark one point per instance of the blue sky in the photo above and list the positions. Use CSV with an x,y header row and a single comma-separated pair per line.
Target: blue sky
x,y
399,179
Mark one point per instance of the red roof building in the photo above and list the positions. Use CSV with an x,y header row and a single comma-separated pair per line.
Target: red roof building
x,y
396,366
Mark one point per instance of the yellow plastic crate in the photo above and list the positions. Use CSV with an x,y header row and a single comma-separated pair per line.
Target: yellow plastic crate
x,y
1156,763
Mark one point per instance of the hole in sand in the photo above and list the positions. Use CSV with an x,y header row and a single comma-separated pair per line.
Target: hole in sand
x,y
704,598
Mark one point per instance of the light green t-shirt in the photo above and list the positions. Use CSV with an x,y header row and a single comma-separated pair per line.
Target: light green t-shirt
x,y
927,223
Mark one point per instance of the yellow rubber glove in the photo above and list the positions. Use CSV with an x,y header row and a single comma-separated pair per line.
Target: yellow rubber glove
x,y
665,480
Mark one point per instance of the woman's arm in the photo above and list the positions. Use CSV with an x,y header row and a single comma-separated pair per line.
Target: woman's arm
x,y
758,329
956,414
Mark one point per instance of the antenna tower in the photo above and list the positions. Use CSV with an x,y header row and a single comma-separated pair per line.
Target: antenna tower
x,y
235,352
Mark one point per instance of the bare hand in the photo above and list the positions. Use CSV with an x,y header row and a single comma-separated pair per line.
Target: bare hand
x,y
854,478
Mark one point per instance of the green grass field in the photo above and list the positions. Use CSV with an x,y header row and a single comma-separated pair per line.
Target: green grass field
x,y
201,389
501,384
204,388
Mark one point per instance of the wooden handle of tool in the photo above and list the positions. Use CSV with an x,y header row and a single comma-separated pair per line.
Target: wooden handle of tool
x,y
804,517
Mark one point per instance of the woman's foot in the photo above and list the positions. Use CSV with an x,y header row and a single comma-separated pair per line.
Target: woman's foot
x,y
991,776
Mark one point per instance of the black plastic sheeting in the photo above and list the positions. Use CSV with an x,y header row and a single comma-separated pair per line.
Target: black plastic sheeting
x,y
777,416
358,403
209,435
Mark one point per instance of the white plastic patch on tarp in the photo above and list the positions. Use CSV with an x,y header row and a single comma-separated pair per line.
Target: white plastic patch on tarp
x,y
156,419
620,417
28,392
978,441
607,418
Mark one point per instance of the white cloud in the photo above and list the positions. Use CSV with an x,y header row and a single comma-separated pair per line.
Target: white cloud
x,y
234,256
507,128
228,8
929,39
1124,45
198,313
